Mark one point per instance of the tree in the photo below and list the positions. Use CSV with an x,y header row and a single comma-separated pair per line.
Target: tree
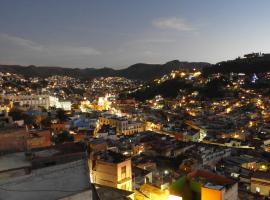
x,y
61,115
16,114
63,137
46,122
38,119
28,119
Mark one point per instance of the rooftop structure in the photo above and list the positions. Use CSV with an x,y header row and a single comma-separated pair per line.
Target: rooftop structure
x,y
53,173
45,101
111,169
205,185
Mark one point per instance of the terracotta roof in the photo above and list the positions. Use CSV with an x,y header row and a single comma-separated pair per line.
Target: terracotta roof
x,y
261,175
206,176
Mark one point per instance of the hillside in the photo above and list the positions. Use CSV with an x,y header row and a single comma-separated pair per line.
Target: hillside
x,y
252,63
167,89
140,71
216,88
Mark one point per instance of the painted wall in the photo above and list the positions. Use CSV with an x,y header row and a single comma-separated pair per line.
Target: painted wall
x,y
208,194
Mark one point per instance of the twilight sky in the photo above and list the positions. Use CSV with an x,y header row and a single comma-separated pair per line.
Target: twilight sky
x,y
117,33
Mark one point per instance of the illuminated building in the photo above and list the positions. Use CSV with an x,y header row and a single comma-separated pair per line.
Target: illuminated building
x,y
65,105
104,102
205,185
191,135
215,186
111,169
260,183
153,126
45,101
151,192
106,193
123,125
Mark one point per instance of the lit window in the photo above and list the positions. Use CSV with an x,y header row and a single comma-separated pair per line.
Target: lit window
x,y
123,172
258,190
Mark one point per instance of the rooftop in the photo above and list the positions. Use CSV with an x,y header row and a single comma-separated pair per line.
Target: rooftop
x,y
97,141
242,159
61,149
108,193
11,129
261,175
209,179
112,157
13,161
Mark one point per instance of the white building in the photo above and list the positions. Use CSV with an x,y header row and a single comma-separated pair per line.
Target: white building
x,y
45,101
65,105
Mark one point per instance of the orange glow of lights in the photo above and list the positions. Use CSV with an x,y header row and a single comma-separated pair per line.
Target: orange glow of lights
x,y
172,197
209,194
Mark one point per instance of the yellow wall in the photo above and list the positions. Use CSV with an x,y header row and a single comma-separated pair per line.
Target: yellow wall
x,y
154,193
210,194
109,174
263,185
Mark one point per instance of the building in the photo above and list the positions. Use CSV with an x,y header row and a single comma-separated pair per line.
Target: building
x,y
13,139
16,139
60,127
98,145
107,132
141,176
122,124
38,139
215,186
63,104
45,101
260,183
48,173
191,135
210,156
5,120
151,192
189,165
111,169
205,185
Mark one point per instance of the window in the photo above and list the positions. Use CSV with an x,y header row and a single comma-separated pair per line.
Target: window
x,y
124,187
123,172
258,189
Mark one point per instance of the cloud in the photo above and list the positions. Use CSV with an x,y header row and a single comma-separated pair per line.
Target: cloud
x,y
76,51
153,41
174,23
149,42
21,42
17,44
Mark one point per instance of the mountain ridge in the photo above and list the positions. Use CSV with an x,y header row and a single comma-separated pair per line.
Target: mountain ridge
x,y
138,71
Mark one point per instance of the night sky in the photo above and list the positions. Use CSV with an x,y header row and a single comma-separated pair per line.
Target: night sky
x,y
118,33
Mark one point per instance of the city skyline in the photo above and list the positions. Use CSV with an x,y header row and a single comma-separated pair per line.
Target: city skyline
x,y
120,33
138,100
